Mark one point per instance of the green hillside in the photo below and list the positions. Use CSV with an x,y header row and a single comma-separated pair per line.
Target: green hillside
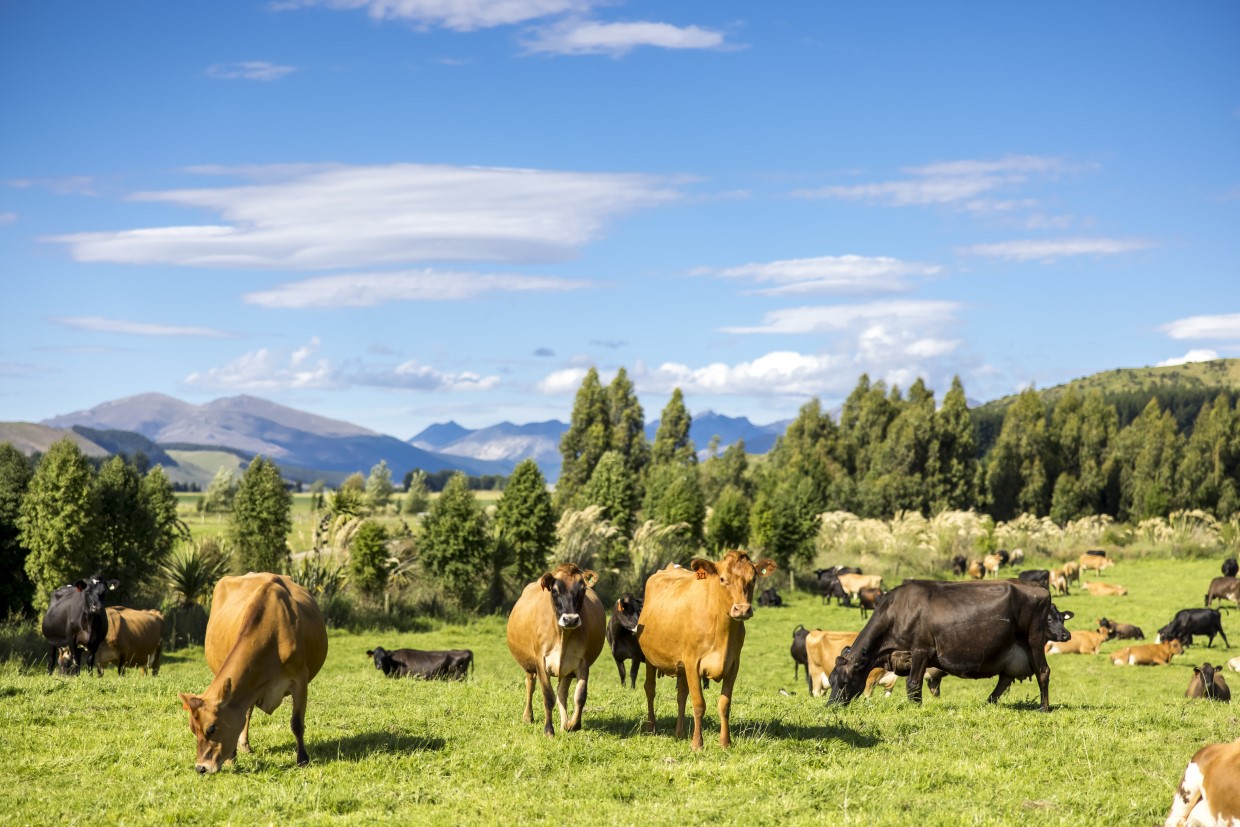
x,y
30,438
1201,376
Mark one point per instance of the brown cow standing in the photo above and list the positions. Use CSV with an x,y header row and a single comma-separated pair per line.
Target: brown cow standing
x,y
1072,571
135,638
556,630
1223,588
1095,562
265,640
1209,791
693,627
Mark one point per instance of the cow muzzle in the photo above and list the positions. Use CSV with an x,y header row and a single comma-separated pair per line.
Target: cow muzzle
x,y
570,621
204,769
742,611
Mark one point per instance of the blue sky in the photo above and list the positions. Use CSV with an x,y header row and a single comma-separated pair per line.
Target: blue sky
x,y
397,212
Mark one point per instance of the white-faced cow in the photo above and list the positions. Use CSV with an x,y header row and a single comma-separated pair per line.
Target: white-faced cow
x,y
621,637
556,630
1209,792
693,627
266,640
76,620
967,630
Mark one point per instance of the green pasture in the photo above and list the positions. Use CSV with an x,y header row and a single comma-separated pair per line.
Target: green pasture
x,y
118,750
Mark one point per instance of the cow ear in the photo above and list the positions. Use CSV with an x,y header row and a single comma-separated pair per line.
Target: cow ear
x,y
226,694
702,567
370,652
765,567
590,577
191,702
1068,615
547,581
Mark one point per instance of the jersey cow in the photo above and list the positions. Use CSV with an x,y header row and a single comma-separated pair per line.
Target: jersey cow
x,y
135,638
75,620
265,641
1209,792
1147,654
1080,643
556,630
693,627
621,635
968,630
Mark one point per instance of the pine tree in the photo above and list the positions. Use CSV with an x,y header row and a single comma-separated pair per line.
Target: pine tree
x,y
416,497
611,487
161,502
525,520
379,486
628,427
261,518
1016,472
57,520
729,469
588,437
16,590
1148,452
673,495
952,469
727,527
1207,472
671,442
896,480
368,559
220,492
455,542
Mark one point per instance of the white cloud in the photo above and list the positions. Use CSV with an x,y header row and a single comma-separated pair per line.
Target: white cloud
x,y
414,376
959,183
850,274
563,381
249,70
457,15
370,289
102,325
64,185
1196,355
7,217
836,318
592,37
780,372
309,217
1051,249
1224,326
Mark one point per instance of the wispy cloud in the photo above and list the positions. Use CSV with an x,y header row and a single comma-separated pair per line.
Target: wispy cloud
x,y
1224,326
249,70
102,325
960,184
611,344
592,37
62,185
1051,249
300,217
370,289
835,318
7,217
457,15
1196,355
415,376
848,274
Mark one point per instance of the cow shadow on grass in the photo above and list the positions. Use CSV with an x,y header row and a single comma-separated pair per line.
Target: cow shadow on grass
x,y
628,727
365,744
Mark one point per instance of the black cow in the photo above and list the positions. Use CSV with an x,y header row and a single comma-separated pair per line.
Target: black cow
x,y
76,620
799,657
966,629
1230,567
400,663
621,628
1096,552
1120,631
960,564
1189,622
770,597
460,663
1223,588
829,584
1038,577
1003,556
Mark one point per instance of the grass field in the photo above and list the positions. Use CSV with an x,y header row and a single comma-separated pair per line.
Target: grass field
x,y
118,750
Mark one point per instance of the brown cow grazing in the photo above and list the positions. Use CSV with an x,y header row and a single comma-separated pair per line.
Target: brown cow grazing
x,y
693,626
1207,682
135,638
1104,589
854,583
821,650
1095,562
1072,571
1120,631
868,598
991,563
1147,654
1223,588
1209,791
1081,643
556,630
266,640
976,571
1058,582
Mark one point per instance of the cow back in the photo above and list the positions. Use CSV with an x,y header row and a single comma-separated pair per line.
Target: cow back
x,y
259,620
685,620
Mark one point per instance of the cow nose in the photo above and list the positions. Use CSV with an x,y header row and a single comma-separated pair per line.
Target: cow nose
x,y
570,621
742,611
202,768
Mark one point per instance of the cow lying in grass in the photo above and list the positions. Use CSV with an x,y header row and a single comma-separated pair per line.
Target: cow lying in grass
x,y
1098,589
1148,654
1081,643
1120,631
1207,682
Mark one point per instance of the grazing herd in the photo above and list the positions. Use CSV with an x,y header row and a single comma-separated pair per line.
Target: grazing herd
x,y
266,640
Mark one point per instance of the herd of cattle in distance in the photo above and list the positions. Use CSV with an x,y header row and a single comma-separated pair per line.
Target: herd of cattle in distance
x,y
266,640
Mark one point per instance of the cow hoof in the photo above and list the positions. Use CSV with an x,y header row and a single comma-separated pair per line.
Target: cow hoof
x,y
303,760
244,747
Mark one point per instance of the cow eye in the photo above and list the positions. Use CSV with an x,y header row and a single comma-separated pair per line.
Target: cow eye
x,y
210,730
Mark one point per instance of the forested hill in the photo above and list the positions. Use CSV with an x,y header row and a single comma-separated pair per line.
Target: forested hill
x,y
1182,389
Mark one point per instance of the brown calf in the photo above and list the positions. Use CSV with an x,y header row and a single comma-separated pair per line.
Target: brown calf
x,y
1072,571
1147,654
1223,588
975,570
1095,562
1098,589
821,650
1081,643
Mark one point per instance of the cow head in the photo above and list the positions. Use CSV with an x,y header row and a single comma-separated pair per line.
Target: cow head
x,y
383,660
1206,673
1175,647
847,679
1055,621
216,725
628,610
94,590
568,585
737,574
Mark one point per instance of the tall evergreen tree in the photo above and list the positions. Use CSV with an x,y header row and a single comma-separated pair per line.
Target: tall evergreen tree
x,y
588,437
368,558
727,527
812,448
16,590
525,520
729,469
124,527
220,492
896,480
952,466
1016,471
1148,453
784,521
671,441
416,499
867,413
379,486
628,426
456,544
674,495
1081,432
261,518
611,486
1207,476
57,520
160,501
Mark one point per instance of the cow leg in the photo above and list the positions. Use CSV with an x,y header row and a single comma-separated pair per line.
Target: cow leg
x,y
54,659
650,676
916,673
933,682
528,715
620,666
699,705
544,682
682,692
561,699
725,703
633,673
579,698
243,740
298,723
1001,687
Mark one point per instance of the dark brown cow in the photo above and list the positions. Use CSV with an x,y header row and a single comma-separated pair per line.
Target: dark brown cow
x,y
403,663
1208,682
693,626
1209,792
799,656
968,630
1223,588
868,598
621,629
556,631
1120,631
